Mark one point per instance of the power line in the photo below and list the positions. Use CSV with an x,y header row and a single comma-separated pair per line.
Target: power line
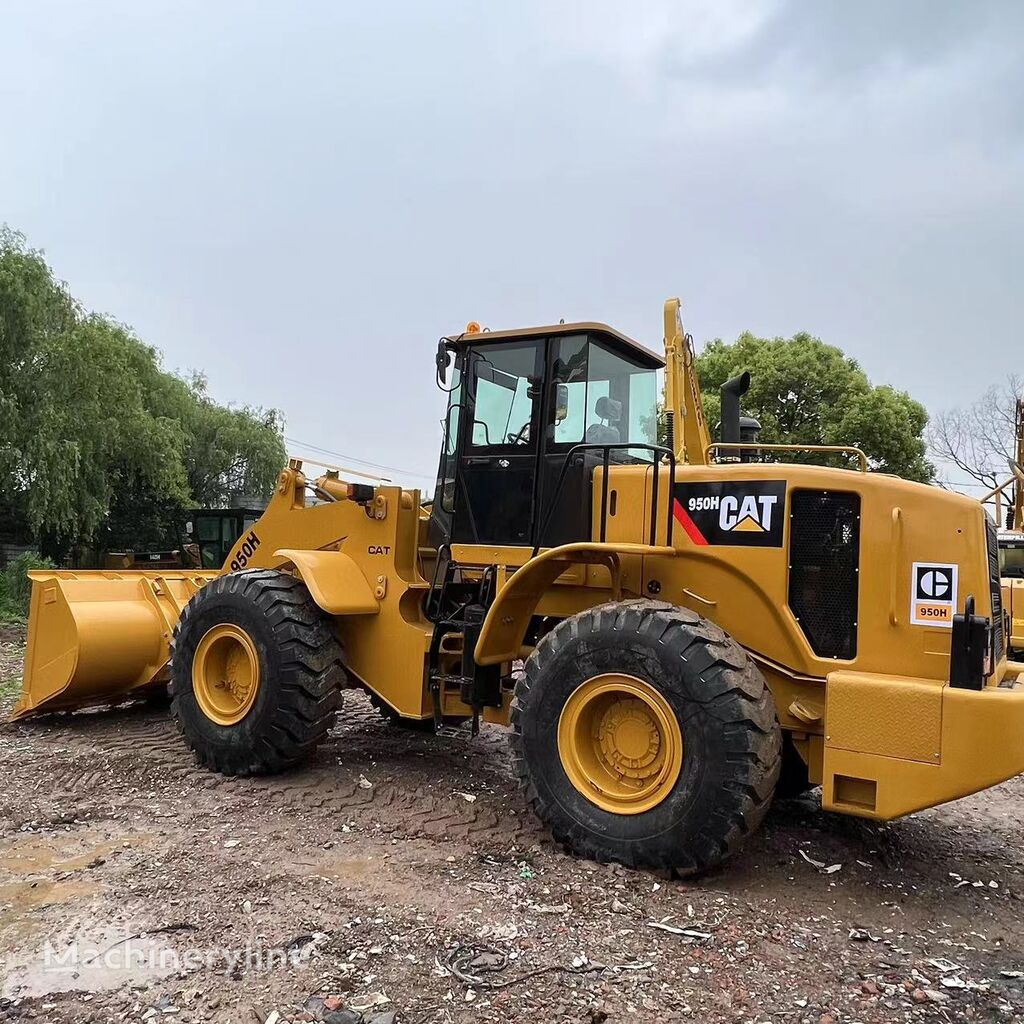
x,y
320,450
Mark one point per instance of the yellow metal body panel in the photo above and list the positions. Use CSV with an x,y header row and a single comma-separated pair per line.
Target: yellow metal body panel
x,y
746,589
334,581
94,637
980,743
502,635
878,715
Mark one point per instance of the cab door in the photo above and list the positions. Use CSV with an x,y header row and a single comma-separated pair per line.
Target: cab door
x,y
497,479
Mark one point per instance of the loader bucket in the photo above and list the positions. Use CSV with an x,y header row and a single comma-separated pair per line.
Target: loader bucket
x,y
96,637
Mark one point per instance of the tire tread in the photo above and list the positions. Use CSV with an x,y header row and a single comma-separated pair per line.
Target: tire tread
x,y
737,695
308,690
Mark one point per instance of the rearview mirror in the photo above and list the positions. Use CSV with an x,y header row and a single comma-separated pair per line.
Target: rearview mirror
x,y
442,360
561,403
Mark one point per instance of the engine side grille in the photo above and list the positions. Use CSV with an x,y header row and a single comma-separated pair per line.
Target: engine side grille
x,y
824,555
995,588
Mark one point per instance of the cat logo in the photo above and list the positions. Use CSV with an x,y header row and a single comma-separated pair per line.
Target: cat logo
x,y
933,587
745,513
750,514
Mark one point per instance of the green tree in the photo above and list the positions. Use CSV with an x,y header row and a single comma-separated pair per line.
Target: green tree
x,y
96,439
806,392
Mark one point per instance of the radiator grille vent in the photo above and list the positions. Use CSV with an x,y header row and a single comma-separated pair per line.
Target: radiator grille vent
x,y
995,588
824,556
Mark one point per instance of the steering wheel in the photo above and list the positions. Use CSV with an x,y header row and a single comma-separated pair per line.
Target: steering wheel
x,y
522,437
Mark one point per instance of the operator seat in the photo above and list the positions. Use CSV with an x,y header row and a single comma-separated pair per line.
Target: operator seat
x,y
608,410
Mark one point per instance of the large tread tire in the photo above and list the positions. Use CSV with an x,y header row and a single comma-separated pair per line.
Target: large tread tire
x,y
301,672
731,738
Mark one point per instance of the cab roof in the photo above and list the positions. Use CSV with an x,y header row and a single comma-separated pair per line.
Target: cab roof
x,y
614,339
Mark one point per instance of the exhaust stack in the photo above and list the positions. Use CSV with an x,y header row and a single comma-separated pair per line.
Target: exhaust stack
x,y
731,391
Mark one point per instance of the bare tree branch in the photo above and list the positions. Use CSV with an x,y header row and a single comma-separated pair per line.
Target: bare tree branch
x,y
979,440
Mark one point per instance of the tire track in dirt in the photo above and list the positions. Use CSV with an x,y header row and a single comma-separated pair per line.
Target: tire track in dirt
x,y
417,777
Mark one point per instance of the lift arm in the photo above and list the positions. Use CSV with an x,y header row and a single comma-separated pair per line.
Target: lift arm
x,y
689,437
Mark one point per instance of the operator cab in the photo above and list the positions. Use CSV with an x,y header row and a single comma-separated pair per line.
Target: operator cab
x,y
1011,555
520,404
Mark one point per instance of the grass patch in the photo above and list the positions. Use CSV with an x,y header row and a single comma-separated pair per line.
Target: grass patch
x,y
16,587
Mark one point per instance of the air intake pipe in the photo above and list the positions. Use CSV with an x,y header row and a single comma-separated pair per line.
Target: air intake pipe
x,y
729,429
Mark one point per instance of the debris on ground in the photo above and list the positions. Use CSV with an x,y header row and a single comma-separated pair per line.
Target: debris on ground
x,y
322,897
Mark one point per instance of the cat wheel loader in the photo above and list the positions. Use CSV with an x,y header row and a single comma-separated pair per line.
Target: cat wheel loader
x,y
673,630
1011,555
1011,540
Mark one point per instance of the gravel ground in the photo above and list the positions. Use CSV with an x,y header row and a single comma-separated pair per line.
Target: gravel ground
x,y
400,877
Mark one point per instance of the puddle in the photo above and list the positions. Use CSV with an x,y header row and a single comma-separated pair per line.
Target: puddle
x,y
19,899
33,854
348,867
47,887
343,868
90,959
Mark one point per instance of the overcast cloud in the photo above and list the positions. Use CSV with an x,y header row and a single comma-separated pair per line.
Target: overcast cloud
x,y
298,199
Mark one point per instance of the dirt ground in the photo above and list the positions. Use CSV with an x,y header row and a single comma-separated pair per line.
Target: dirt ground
x,y
400,878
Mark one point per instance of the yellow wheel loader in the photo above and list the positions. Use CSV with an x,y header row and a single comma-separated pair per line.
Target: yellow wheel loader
x,y
1012,545
1011,540
1011,555
669,629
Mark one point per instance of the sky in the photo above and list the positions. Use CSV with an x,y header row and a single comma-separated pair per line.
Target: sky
x,y
298,199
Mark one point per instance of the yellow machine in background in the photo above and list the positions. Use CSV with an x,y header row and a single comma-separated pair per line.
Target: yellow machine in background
x,y
694,621
1011,540
1011,559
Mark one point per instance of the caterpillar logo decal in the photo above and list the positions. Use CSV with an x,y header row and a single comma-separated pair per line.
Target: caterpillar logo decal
x,y
933,587
747,513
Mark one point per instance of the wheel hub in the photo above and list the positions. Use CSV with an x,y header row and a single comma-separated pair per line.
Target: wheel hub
x,y
629,739
226,674
620,743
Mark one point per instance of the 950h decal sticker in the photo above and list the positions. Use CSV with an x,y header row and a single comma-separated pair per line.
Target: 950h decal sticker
x,y
933,587
745,513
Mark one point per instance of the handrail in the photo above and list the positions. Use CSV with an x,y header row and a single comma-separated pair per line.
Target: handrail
x,y
895,563
607,449
1018,477
844,449
1013,501
338,469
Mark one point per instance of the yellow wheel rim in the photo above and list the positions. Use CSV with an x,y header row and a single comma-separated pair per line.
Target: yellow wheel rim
x,y
620,743
226,674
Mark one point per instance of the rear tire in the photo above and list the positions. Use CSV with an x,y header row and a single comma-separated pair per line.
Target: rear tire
x,y
292,673
719,759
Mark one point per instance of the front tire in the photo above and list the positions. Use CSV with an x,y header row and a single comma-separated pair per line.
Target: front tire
x,y
644,734
256,673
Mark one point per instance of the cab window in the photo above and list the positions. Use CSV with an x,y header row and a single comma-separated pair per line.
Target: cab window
x,y
601,397
506,392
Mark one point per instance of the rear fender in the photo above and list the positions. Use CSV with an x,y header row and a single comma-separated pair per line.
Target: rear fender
x,y
509,616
